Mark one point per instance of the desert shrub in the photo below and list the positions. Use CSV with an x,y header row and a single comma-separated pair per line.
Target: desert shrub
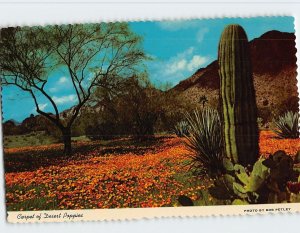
x,y
289,104
260,122
103,131
171,116
52,130
287,125
205,141
80,125
265,113
133,109
181,128
10,128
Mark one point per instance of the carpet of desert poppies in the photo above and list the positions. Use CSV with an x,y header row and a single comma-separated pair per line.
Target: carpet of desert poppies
x,y
116,174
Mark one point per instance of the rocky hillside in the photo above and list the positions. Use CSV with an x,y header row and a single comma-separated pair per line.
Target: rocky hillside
x,y
274,71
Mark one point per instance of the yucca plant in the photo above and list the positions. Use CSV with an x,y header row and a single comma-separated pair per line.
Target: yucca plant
x,y
181,128
205,141
287,125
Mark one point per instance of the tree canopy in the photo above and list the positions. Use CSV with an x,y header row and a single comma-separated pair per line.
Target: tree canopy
x,y
93,55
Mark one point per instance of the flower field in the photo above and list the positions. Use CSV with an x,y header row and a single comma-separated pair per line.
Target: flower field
x,y
150,179
118,174
269,144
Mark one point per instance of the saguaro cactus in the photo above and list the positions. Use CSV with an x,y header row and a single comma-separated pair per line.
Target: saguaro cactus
x,y
239,110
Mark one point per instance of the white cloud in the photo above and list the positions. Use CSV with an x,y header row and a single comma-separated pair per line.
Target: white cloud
x,y
196,62
42,106
61,84
184,61
64,99
62,80
201,33
53,89
176,66
175,25
187,52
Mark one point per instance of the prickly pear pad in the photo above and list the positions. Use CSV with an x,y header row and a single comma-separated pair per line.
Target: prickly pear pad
x,y
131,120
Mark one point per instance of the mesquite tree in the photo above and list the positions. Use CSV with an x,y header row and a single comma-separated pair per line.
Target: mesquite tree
x,y
239,111
92,55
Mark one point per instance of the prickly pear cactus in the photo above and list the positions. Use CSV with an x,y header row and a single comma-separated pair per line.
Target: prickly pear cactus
x,y
281,172
248,186
239,111
271,180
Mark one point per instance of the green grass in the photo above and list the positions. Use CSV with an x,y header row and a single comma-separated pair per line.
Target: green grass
x,y
34,139
42,138
82,138
40,203
31,139
190,181
37,203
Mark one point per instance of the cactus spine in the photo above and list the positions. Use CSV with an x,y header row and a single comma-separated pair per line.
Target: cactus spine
x,y
239,111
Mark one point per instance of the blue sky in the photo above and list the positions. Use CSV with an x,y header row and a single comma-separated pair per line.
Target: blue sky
x,y
178,49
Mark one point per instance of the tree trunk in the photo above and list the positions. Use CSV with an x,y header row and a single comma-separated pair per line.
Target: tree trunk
x,y
66,132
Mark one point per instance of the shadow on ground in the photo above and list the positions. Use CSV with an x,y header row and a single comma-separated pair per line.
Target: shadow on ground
x,y
34,159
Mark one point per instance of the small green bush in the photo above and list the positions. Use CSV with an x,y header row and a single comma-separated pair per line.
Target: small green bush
x,y
205,141
287,125
182,128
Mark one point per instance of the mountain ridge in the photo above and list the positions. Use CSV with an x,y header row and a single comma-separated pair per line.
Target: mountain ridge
x,y
273,56
256,47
